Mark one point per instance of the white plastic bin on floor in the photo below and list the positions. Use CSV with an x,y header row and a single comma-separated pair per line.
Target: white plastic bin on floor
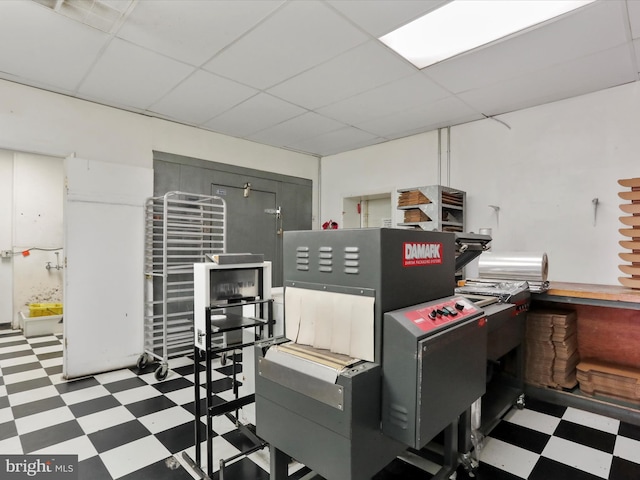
x,y
36,326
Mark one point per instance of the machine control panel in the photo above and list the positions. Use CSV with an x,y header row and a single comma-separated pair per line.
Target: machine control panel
x,y
441,312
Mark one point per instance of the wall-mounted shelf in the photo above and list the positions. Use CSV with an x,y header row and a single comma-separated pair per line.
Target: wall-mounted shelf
x,y
433,207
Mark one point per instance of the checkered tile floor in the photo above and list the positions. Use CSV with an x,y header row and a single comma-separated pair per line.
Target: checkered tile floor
x,y
127,425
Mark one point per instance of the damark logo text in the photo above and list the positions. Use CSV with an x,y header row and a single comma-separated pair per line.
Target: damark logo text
x,y
60,467
421,253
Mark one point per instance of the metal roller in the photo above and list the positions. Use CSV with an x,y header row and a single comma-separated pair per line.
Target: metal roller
x,y
530,266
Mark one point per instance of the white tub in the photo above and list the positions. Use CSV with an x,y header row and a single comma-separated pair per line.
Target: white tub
x,y
36,326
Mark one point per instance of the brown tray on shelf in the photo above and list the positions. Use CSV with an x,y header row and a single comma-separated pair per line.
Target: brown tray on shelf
x,y
630,232
630,270
634,195
629,282
630,257
630,182
630,244
630,208
631,221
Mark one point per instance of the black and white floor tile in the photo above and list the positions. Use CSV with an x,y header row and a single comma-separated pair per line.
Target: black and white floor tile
x,y
127,425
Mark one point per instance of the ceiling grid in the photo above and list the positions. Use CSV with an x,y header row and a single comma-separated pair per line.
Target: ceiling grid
x,y
305,75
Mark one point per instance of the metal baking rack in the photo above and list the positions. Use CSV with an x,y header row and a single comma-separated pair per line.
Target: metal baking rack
x,y
180,230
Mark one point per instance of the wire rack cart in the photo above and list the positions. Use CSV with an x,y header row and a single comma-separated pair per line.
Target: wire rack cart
x,y
233,301
180,230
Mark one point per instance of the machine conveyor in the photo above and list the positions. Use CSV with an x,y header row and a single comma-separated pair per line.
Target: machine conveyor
x,y
349,422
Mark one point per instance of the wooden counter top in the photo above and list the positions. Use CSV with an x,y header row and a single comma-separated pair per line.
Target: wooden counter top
x,y
595,292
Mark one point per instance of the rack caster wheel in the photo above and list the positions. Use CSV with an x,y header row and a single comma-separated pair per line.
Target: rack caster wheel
x,y
161,372
520,403
223,359
142,362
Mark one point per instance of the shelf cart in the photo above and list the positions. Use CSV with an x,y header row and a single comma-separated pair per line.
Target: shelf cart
x,y
229,300
180,230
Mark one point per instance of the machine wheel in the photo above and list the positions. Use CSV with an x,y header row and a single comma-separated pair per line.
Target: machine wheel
x,y
469,463
161,372
223,359
520,403
142,362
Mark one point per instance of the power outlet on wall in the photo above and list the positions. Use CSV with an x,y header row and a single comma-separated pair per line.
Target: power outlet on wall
x,y
6,254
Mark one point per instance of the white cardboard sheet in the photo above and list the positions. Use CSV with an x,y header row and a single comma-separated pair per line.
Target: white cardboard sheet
x,y
338,322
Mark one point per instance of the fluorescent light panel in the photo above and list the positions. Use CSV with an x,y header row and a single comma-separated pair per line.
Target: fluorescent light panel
x,y
463,25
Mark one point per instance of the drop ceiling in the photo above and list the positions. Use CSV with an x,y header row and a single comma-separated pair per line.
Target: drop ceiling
x,y
304,75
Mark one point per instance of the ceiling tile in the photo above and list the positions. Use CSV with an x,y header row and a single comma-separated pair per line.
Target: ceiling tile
x,y
379,17
633,7
130,75
445,112
386,100
45,48
297,129
118,5
201,97
348,138
551,44
257,113
319,55
365,67
192,30
297,37
585,75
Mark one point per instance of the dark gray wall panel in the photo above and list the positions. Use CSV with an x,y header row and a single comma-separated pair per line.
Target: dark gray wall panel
x,y
292,194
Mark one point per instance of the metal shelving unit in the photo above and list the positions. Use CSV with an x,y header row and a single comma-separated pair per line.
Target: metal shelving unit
x,y
433,207
233,302
180,230
231,323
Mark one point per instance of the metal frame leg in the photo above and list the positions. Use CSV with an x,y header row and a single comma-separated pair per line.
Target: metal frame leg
x,y
464,432
450,452
279,464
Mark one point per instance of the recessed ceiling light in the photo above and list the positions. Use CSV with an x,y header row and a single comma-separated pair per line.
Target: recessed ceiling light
x,y
105,15
463,25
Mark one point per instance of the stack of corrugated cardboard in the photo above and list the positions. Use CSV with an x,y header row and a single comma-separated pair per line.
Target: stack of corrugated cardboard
x,y
415,215
551,348
616,381
412,197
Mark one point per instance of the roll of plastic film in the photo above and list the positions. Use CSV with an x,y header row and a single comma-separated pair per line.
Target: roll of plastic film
x,y
532,266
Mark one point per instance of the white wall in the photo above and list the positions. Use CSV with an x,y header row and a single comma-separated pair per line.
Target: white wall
x,y
375,170
31,188
375,211
36,121
6,235
38,183
543,173
33,120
